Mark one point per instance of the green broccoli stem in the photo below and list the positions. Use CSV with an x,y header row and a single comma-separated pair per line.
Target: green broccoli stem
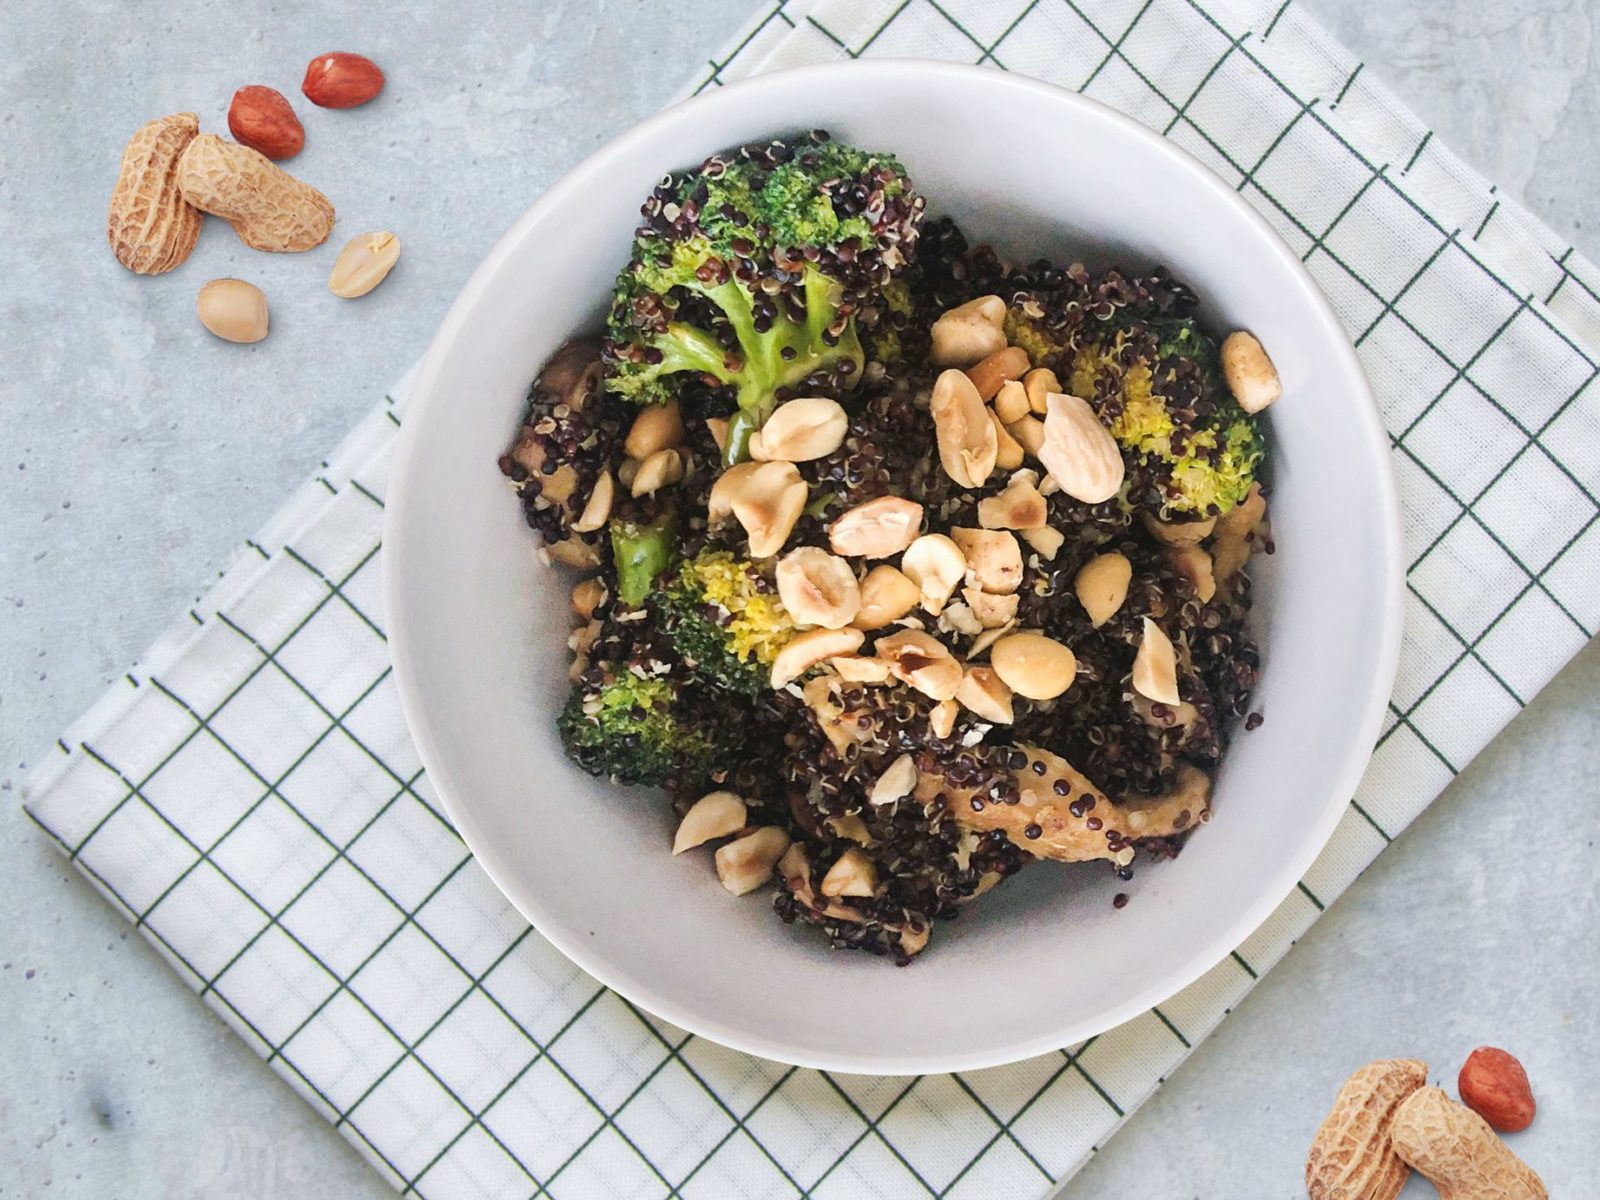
x,y
641,552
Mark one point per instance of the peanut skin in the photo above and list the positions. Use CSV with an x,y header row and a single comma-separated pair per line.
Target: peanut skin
x,y
1493,1084
1455,1148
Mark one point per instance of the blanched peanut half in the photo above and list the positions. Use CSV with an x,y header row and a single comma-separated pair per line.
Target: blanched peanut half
x,y
805,650
1038,384
597,509
852,827
661,469
991,611
942,718
1179,533
1033,665
966,438
718,427
876,529
768,503
993,558
984,693
853,875
746,863
1019,506
1251,377
803,429
886,596
1007,450
1029,432
1102,586
1155,667
986,639
856,668
1011,402
657,427
719,504
714,815
936,565
588,595
896,783
363,264
1079,452
999,368
1194,564
922,661
818,588
970,332
234,310
959,618
572,552
1046,541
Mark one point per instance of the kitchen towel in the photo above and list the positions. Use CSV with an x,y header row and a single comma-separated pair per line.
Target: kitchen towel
x,y
249,798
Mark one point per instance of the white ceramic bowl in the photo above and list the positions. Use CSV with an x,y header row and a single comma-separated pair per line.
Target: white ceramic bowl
x,y
478,628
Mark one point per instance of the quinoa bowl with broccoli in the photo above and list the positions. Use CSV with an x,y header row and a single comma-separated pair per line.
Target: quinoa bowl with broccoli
x,y
898,571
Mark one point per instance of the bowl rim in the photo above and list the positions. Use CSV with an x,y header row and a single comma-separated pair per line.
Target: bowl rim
x,y
426,391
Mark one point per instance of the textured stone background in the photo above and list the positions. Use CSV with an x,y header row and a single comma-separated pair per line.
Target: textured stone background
x,y
137,452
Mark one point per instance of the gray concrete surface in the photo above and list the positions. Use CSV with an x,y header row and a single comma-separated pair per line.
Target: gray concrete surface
x,y
137,452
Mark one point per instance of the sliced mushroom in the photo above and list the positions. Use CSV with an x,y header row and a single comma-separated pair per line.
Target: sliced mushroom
x,y
714,815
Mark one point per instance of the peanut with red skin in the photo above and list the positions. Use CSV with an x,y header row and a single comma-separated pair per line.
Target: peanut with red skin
x,y
1493,1084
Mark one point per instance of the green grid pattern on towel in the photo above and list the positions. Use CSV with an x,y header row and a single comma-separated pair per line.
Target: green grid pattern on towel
x,y
248,795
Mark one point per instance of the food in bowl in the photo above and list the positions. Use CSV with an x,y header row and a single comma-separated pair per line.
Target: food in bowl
x,y
906,567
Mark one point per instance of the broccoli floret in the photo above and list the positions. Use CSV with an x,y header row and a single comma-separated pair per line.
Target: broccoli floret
x,y
750,271
634,728
725,620
1157,385
640,553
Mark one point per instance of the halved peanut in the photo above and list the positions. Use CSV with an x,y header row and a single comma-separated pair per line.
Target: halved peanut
x,y
1029,432
657,427
1018,506
1007,450
1046,541
661,469
942,718
958,618
714,815
597,509
998,369
850,826
1102,586
588,595
852,875
1079,452
855,668
1241,520
991,611
985,640
627,471
1011,401
558,486
803,429
1038,384
922,661
1178,533
572,552
805,650
886,596
993,558
1034,665
876,528
1155,666
718,427
768,504
1194,564
719,504
984,693
818,588
896,783
967,443
936,565
746,863
1251,377
969,332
